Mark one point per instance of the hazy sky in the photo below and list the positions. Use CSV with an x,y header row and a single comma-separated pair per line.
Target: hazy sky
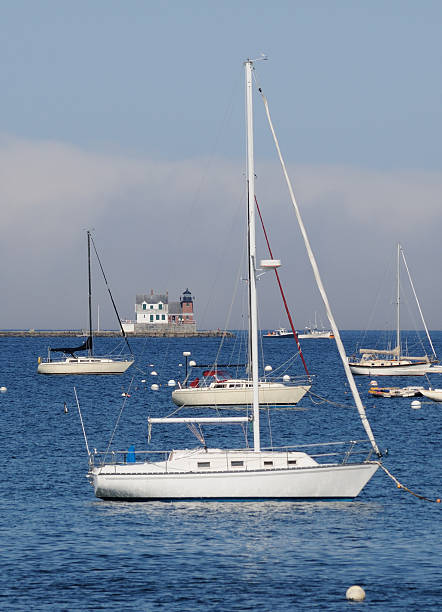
x,y
128,117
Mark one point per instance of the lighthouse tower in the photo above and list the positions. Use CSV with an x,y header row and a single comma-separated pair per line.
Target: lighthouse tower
x,y
186,302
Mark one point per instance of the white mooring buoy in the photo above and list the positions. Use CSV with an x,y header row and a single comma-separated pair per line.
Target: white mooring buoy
x,y
373,383
3,389
355,593
154,387
415,404
171,383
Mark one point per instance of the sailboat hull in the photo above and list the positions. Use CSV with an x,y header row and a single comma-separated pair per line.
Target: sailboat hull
x,y
85,365
405,368
344,481
433,394
269,394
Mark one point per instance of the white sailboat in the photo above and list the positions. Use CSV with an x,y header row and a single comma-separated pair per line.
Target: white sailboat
x,y
433,394
90,363
313,331
219,391
250,473
391,362
217,388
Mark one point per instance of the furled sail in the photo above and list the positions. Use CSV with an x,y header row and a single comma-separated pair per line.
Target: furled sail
x,y
394,351
87,346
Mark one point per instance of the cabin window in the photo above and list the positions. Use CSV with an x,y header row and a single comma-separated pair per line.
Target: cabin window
x,y
237,463
203,464
268,463
291,462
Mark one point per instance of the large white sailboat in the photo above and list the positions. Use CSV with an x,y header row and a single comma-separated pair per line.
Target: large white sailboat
x,y
392,362
90,363
253,472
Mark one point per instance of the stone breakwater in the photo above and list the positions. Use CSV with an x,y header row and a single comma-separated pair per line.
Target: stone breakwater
x,y
40,333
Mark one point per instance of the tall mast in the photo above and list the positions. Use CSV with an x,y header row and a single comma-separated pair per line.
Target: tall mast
x,y
398,302
90,290
253,312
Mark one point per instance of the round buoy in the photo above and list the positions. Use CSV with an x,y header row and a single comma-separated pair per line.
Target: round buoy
x,y
415,404
192,363
154,387
171,383
180,365
143,380
355,593
153,373
286,378
373,383
3,389
268,368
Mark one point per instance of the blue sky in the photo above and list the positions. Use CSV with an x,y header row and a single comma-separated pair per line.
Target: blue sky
x,y
128,117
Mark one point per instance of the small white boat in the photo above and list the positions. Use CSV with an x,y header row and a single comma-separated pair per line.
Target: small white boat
x,y
90,364
433,394
85,365
391,362
312,332
371,364
281,332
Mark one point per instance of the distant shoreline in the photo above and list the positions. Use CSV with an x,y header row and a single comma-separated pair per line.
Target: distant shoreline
x,y
44,333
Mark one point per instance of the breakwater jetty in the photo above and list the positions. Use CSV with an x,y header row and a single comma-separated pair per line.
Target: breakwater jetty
x,y
44,333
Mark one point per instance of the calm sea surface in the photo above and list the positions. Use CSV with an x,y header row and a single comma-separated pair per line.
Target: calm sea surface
x,y
63,549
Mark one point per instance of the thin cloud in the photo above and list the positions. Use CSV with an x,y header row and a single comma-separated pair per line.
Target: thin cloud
x,y
169,225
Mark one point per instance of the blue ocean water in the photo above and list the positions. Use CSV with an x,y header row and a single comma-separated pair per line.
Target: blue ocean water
x,y
63,549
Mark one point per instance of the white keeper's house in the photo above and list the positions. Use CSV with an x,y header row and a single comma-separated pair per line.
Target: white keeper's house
x,y
154,312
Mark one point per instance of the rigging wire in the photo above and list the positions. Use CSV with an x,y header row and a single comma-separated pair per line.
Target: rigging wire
x,y
338,340
120,414
295,336
110,295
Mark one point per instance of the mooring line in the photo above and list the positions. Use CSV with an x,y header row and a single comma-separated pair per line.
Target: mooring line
x,y
401,486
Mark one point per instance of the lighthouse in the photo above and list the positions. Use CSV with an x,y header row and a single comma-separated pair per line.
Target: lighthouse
x,y
186,303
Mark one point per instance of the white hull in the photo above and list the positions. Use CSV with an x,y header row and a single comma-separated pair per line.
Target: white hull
x,y
85,365
433,394
406,369
269,394
150,481
318,335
